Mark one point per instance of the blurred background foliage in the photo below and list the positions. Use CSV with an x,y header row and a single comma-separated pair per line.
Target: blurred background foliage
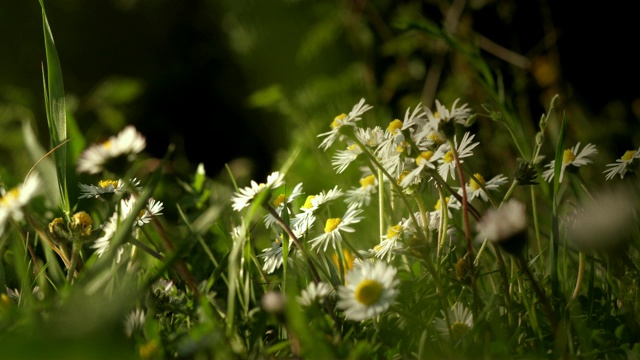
x,y
245,82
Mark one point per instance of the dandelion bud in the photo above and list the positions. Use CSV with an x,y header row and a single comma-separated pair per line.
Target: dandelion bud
x,y
81,224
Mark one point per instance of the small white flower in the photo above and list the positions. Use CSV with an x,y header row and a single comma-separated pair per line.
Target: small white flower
x,y
273,256
305,220
12,202
106,187
282,202
343,158
360,196
343,120
153,209
444,117
446,159
244,196
621,165
474,190
570,157
109,228
314,293
424,160
461,320
334,227
371,288
390,243
128,143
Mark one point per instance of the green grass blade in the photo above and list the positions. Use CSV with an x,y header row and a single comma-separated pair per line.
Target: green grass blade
x,y
55,109
555,230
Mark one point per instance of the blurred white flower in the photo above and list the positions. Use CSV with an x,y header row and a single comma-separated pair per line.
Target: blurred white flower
x,y
370,289
128,144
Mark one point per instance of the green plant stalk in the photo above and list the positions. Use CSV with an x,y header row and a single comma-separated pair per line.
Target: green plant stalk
x,y
555,227
292,236
380,203
56,110
536,224
467,229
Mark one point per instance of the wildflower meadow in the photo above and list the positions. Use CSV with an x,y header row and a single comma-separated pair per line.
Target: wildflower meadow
x,y
454,229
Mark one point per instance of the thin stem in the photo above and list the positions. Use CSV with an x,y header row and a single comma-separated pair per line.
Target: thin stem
x,y
546,305
283,225
467,230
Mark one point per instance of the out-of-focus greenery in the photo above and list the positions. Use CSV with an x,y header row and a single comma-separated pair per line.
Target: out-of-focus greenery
x,y
250,85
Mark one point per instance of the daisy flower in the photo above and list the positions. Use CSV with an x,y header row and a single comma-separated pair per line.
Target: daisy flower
x,y
106,187
243,197
443,119
370,289
343,158
153,209
360,196
314,293
505,226
446,159
12,202
305,220
341,121
424,160
109,228
474,189
461,320
127,144
390,243
282,202
371,137
622,165
570,157
334,227
436,214
391,150
273,256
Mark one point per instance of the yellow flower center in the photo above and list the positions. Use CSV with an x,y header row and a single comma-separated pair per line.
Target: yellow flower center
x,y
439,203
307,202
436,115
568,156
368,292
106,144
354,148
81,223
148,350
331,224
279,200
394,126
435,138
394,231
400,148
337,121
10,196
105,183
402,176
424,157
459,329
448,157
628,155
370,180
475,185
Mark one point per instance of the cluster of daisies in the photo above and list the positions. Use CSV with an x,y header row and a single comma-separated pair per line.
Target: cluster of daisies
x,y
423,148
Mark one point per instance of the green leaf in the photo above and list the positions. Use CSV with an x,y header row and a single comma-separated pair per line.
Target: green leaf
x,y
55,109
